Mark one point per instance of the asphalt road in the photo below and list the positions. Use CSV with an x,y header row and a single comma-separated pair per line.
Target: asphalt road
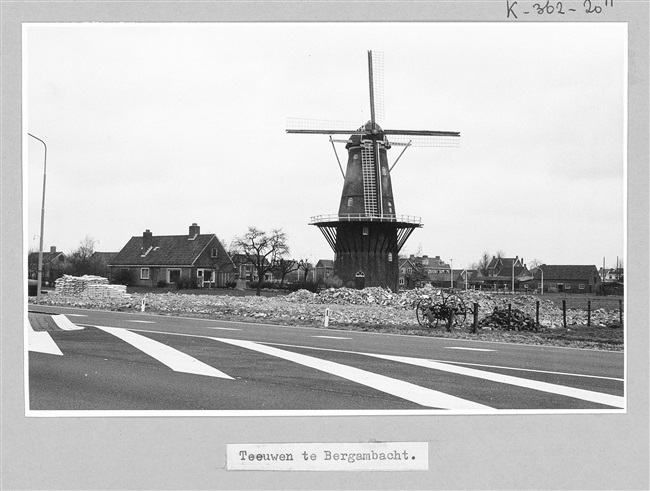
x,y
107,361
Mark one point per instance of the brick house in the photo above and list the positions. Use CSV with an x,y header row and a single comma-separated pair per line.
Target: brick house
x,y
53,265
501,272
192,259
324,269
567,278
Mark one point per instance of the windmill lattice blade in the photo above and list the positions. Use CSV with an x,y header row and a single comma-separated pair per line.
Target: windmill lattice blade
x,y
377,78
425,140
304,125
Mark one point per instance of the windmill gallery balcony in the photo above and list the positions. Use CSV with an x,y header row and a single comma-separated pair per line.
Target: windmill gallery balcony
x,y
409,220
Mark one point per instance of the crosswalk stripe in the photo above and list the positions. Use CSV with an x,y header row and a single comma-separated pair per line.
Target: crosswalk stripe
x,y
585,395
329,337
405,390
174,359
64,323
468,349
41,342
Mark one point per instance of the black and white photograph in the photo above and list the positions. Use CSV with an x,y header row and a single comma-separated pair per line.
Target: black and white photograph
x,y
324,245
234,226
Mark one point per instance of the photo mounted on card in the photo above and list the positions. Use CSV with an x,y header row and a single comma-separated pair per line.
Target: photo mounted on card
x,y
316,219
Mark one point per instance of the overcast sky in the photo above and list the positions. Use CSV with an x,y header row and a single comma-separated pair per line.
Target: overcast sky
x,y
157,126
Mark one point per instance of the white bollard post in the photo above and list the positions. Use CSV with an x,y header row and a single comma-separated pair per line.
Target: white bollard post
x,y
142,306
327,317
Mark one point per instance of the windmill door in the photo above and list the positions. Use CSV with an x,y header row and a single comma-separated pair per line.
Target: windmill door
x,y
360,280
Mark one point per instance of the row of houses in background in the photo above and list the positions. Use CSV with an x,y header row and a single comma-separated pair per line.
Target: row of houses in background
x,y
507,274
200,260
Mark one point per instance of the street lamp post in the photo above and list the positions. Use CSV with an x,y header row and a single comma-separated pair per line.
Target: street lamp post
x,y
451,273
40,248
542,272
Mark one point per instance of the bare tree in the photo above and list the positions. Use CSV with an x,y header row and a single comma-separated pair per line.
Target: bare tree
x,y
536,263
80,262
483,263
261,249
305,266
284,267
500,254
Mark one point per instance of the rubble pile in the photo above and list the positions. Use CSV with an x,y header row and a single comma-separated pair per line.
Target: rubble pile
x,y
371,306
511,319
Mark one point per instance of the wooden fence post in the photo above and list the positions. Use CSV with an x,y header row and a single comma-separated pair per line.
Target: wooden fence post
x,y
588,313
475,325
620,310
564,313
537,314
509,316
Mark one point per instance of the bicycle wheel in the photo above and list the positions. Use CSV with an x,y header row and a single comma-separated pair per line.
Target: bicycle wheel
x,y
423,312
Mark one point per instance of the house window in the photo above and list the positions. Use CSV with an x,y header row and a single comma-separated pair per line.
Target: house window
x,y
213,252
365,230
144,273
567,286
581,286
409,271
401,281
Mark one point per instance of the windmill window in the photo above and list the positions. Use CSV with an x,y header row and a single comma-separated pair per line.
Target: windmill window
x,y
365,230
350,200
383,171
390,257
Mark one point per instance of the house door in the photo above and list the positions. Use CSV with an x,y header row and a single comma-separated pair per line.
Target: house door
x,y
360,280
174,275
560,287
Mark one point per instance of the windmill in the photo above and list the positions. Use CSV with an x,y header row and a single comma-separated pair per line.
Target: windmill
x,y
366,235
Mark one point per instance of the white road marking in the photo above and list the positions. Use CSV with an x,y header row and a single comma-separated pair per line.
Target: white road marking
x,y
328,337
64,323
224,328
468,349
459,363
585,395
405,390
141,322
532,370
76,315
174,359
41,342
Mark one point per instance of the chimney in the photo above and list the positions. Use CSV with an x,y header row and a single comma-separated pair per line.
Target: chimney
x,y
147,240
52,248
194,230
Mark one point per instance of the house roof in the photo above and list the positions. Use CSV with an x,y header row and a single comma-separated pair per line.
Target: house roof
x,y
325,263
47,256
167,250
567,272
106,257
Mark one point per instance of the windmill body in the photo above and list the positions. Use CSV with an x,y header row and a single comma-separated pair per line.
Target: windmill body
x,y
366,235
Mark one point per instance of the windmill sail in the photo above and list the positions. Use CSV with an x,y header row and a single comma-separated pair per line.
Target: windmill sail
x,y
366,235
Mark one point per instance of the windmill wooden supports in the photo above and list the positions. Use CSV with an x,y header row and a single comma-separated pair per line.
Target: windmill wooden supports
x,y
366,249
